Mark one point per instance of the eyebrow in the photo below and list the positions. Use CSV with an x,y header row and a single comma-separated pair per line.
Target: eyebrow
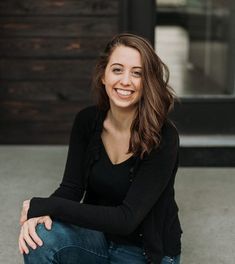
x,y
119,64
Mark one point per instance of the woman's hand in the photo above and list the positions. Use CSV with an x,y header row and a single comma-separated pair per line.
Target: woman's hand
x,y
24,211
28,235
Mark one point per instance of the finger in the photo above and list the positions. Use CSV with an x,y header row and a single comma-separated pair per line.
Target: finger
x,y
34,235
26,202
24,211
23,218
25,206
20,248
41,220
22,244
27,237
48,223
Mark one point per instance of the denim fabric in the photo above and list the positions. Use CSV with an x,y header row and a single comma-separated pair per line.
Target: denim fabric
x,y
171,260
70,244
124,254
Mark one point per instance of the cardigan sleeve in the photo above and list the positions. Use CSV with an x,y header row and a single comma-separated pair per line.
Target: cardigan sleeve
x,y
151,179
71,187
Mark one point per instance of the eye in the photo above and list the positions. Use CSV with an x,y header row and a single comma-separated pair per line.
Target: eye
x,y
137,73
117,70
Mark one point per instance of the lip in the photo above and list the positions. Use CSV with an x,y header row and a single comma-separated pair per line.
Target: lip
x,y
124,97
129,90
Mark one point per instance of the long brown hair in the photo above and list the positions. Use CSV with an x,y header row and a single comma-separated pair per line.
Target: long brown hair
x,y
157,97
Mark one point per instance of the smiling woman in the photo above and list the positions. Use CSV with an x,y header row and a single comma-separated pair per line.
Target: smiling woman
x,y
115,204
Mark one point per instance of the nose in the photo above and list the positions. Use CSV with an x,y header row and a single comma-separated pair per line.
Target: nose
x,y
126,79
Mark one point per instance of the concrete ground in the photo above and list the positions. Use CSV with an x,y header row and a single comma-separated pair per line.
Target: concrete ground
x,y
205,196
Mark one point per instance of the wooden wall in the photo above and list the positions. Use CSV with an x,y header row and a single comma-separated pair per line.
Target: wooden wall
x,y
47,52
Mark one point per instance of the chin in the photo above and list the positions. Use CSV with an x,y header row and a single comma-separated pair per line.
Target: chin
x,y
124,105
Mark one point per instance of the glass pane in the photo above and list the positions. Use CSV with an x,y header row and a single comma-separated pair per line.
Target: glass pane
x,y
195,38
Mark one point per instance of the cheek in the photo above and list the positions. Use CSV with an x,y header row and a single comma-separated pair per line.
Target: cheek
x,y
107,88
110,81
105,79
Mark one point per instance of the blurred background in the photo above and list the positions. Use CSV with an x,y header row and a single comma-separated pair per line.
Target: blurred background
x,y
48,49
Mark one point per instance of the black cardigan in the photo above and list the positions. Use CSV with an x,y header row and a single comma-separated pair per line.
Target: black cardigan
x,y
149,203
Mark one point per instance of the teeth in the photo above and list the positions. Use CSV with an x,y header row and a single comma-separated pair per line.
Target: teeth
x,y
123,92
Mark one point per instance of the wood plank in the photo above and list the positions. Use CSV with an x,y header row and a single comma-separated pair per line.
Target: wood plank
x,y
33,138
37,122
52,47
59,7
38,112
36,132
78,90
37,127
23,69
58,26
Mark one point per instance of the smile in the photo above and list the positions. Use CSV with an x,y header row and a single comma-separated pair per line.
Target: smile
x,y
124,92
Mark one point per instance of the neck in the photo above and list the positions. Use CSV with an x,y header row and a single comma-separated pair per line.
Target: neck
x,y
121,118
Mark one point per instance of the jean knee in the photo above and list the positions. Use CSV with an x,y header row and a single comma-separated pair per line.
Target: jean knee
x,y
48,237
52,241
64,238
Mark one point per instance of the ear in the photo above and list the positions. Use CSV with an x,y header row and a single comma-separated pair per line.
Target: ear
x,y
103,80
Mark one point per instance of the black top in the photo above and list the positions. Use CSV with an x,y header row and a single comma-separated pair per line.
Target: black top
x,y
148,205
108,184
105,177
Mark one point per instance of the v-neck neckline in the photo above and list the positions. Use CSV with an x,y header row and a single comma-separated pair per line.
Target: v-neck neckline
x,y
100,128
109,160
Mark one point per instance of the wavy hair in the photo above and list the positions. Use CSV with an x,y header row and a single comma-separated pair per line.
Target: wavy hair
x,y
157,96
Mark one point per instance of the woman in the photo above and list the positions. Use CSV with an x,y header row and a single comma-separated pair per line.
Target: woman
x,y
116,200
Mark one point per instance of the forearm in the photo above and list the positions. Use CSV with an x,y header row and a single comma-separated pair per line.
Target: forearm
x,y
115,220
69,193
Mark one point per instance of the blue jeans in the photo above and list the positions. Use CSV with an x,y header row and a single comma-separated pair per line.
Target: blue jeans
x,y
70,244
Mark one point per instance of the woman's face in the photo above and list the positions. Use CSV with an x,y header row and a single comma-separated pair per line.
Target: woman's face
x,y
122,77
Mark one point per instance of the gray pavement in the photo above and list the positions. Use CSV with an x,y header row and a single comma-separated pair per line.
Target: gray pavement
x,y
205,196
